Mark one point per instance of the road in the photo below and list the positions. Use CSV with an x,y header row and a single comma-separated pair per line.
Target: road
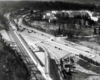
x,y
70,49
48,40
47,57
20,23
54,43
25,48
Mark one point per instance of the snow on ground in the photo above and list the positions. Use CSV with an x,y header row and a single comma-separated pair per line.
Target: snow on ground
x,y
35,30
38,37
34,37
84,46
30,41
80,47
75,45
31,38
58,53
90,44
27,39
5,35
41,56
10,36
97,58
96,49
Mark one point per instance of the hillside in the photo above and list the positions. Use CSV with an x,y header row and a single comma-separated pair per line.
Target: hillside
x,y
6,6
78,1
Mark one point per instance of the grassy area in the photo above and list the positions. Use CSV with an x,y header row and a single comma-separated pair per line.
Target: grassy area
x,y
54,70
88,66
80,76
98,39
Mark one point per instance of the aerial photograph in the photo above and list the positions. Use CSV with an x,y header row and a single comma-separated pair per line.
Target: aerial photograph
x,y
49,39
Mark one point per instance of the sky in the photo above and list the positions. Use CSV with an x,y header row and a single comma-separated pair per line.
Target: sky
x,y
27,0
10,0
24,0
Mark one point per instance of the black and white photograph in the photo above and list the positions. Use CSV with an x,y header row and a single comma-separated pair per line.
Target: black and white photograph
x,y
49,39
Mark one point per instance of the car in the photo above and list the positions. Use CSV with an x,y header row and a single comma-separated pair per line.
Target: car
x,y
59,48
42,34
52,39
66,44
88,51
76,55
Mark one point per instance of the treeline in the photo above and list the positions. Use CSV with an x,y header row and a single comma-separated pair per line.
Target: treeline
x,y
3,22
59,5
43,5
89,60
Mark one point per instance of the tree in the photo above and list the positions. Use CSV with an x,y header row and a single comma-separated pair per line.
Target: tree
x,y
95,32
31,11
70,35
59,30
